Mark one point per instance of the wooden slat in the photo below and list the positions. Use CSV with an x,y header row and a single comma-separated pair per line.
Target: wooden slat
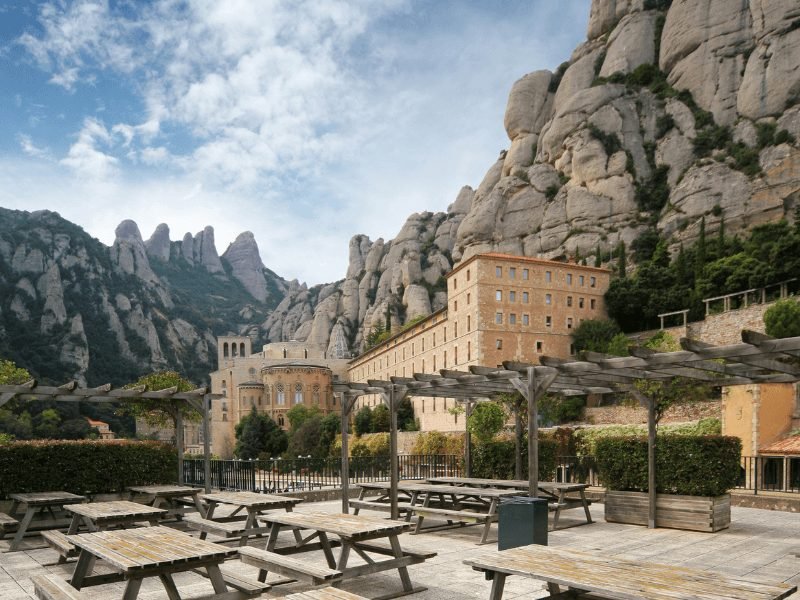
x,y
339,524
54,587
328,593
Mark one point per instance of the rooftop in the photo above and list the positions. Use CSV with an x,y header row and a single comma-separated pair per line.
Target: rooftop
x,y
786,446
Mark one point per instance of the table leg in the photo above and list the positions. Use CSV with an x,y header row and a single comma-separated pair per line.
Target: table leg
x,y
498,583
326,549
297,537
132,589
83,568
586,506
23,527
209,515
398,553
250,523
215,575
488,525
169,585
14,507
74,524
199,505
560,501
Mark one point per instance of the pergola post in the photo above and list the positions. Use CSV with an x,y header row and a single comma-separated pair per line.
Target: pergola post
x,y
651,463
533,436
468,440
518,439
346,404
179,443
393,471
207,442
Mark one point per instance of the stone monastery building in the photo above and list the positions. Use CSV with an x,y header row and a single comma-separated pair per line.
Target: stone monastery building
x,y
500,307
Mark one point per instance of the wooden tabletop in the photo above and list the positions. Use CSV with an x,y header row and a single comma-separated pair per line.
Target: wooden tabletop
x,y
616,578
432,488
508,483
346,526
165,490
43,498
99,511
130,550
251,499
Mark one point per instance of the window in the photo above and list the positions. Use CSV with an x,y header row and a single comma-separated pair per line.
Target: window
x,y
224,407
315,393
569,278
548,321
572,348
498,295
591,303
498,318
498,271
569,322
455,305
592,281
455,283
412,348
467,298
455,329
548,276
444,331
434,363
539,346
434,344
569,300
469,352
525,273
444,359
498,344
580,280
281,392
525,319
455,355
580,302
467,274
512,272
423,344
468,322
525,297
512,319
548,299
512,296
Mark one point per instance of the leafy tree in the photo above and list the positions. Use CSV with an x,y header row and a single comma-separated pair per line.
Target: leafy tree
x,y
362,422
46,424
305,440
11,374
783,319
161,412
257,436
622,262
405,415
377,335
330,427
300,413
594,335
486,421
618,346
381,419
75,429
644,246
555,410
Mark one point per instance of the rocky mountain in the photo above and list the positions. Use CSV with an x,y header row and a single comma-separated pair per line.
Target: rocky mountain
x,y
72,307
671,111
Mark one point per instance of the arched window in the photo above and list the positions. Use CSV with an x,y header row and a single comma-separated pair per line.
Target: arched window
x,y
298,393
268,394
281,422
234,350
281,393
225,350
284,353
241,349
315,394
305,352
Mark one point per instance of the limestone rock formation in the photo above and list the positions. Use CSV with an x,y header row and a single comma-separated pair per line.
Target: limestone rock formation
x,y
129,252
158,246
246,265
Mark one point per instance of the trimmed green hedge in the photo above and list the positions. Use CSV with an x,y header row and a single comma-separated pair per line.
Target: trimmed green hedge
x,y
84,466
495,459
687,465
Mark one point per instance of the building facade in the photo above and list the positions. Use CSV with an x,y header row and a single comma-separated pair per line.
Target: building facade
x,y
500,307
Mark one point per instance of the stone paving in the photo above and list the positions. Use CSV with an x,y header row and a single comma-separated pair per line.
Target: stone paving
x,y
758,546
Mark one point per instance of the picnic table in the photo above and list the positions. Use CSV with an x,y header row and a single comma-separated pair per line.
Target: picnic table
x,y
613,578
38,502
234,525
135,554
366,536
102,515
167,495
554,492
454,503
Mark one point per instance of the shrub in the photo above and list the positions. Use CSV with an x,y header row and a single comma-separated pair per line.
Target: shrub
x,y
663,124
586,439
782,319
495,459
436,442
551,191
610,141
711,137
85,466
686,465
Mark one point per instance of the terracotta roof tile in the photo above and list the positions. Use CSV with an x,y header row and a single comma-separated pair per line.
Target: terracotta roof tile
x,y
789,445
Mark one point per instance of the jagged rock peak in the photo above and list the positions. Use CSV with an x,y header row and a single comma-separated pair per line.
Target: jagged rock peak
x,y
129,253
128,230
605,14
159,244
246,265
205,251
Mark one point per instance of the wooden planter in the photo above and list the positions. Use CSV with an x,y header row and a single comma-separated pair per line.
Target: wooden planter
x,y
694,513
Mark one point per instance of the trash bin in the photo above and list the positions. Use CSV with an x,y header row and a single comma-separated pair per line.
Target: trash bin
x,y
522,521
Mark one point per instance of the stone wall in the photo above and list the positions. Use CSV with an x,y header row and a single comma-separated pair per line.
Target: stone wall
x,y
630,415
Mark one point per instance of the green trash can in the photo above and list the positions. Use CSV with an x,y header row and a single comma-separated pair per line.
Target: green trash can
x,y
522,521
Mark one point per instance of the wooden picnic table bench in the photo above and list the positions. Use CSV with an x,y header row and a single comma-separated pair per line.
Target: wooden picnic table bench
x,y
169,497
38,502
366,536
328,593
596,575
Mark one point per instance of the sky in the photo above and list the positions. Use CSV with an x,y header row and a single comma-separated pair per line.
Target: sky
x,y
303,121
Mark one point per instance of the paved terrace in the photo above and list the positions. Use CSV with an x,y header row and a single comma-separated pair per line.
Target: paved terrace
x,y
757,546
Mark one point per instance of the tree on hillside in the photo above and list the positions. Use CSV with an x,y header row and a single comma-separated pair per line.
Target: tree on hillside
x,y
258,436
405,416
594,335
161,412
782,319
381,419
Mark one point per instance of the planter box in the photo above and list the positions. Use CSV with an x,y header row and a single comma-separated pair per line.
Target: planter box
x,y
694,513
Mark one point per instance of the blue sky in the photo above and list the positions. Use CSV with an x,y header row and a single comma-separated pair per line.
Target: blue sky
x,y
305,122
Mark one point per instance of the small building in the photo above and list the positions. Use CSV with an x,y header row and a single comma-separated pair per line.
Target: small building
x,y
102,428
781,464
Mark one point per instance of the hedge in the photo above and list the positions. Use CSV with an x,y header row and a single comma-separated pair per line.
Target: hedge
x,y
84,466
495,459
688,465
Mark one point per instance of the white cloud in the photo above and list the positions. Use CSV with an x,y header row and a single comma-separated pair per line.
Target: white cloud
x,y
31,149
85,158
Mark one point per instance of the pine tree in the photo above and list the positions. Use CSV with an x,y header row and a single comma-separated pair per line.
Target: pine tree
x,y
388,326
721,239
700,252
598,261
622,265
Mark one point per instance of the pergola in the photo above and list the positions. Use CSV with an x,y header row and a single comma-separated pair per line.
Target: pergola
x,y
758,359
199,399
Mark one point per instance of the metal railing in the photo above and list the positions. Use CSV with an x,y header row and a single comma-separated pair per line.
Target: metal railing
x,y
770,474
576,469
282,475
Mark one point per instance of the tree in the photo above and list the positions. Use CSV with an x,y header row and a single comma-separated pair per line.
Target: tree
x,y
305,440
618,346
622,262
300,413
486,421
381,419
11,374
161,412
257,436
405,415
594,335
362,422
330,427
782,319
598,257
